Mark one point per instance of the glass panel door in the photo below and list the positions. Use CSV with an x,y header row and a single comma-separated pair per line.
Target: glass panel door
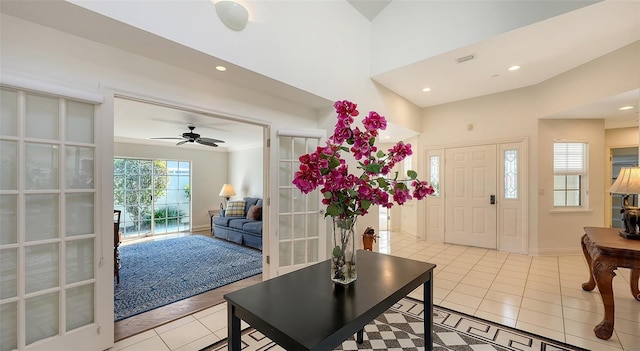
x,y
47,209
154,196
301,224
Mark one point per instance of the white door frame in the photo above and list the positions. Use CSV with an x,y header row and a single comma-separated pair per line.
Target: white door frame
x,y
434,206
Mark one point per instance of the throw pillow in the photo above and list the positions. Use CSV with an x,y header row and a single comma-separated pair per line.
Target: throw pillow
x,y
235,208
255,213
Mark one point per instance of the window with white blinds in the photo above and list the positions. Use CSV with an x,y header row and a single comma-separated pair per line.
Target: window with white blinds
x,y
569,173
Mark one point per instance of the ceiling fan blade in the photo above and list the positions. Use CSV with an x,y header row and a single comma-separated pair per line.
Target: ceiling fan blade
x,y
207,142
182,142
169,138
210,140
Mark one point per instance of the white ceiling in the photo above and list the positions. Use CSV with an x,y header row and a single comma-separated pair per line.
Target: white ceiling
x,y
543,50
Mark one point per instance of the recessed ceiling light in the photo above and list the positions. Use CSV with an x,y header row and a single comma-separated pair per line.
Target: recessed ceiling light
x,y
623,108
514,68
221,68
426,89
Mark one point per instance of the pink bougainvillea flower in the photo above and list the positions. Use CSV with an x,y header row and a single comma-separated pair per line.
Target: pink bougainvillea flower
x,y
344,193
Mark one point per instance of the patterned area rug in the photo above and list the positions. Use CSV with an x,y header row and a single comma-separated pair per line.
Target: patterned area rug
x,y
401,328
158,273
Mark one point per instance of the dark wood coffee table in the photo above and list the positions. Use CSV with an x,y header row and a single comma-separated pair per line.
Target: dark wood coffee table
x,y
304,310
605,251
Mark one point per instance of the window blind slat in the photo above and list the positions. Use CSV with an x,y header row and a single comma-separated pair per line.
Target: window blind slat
x,y
569,158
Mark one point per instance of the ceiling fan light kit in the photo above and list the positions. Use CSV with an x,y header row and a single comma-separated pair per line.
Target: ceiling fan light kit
x,y
191,137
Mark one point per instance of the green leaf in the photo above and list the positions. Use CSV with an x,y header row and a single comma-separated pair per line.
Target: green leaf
x,y
380,154
373,168
365,204
382,183
334,210
412,174
334,162
327,195
337,252
344,148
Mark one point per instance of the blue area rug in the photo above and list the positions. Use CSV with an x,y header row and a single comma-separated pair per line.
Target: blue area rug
x,y
158,273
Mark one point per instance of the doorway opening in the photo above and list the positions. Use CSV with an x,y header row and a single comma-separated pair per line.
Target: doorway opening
x,y
621,157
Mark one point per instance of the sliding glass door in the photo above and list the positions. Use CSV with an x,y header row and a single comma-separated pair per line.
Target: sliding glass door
x,y
154,195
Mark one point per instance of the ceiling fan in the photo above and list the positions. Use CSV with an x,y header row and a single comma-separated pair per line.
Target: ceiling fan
x,y
191,137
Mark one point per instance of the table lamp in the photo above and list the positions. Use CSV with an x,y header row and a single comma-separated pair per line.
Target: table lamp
x,y
227,191
628,182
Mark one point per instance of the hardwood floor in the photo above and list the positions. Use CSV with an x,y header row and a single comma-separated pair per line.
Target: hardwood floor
x,y
162,315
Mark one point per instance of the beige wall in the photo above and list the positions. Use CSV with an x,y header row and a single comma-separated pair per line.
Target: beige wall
x,y
560,229
515,114
246,172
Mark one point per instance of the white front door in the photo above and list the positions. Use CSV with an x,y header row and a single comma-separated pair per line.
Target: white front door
x,y
50,246
299,237
470,196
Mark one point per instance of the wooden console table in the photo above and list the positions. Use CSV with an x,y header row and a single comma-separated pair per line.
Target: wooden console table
x,y
605,251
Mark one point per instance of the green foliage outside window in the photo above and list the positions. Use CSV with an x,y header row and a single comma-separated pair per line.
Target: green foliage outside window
x,y
138,177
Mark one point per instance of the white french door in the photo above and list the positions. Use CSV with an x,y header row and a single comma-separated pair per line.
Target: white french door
x,y
300,237
470,196
49,242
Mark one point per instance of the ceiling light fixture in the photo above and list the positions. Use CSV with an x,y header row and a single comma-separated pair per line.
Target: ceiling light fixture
x,y
221,68
514,68
624,108
426,89
232,14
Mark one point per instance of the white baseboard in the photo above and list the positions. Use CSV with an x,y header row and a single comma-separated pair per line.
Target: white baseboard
x,y
556,252
200,228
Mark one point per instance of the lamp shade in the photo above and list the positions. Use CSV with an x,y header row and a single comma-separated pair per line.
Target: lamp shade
x,y
232,14
628,181
227,191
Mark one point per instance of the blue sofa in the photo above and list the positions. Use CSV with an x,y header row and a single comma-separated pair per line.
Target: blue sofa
x,y
239,229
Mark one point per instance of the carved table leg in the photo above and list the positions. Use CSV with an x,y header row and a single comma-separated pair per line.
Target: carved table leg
x,y
588,286
603,272
635,291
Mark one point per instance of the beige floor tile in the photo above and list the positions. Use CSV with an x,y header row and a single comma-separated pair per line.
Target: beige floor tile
x,y
519,282
545,273
543,279
586,305
536,329
455,270
454,277
184,334
548,288
155,343
592,345
175,324
541,319
459,308
134,340
630,342
215,321
512,274
543,296
507,288
510,299
496,318
482,275
627,327
439,293
585,331
479,282
463,300
500,309
470,290
444,283
546,307
210,310
200,343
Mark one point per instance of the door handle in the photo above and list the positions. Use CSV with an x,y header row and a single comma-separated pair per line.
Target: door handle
x,y
492,199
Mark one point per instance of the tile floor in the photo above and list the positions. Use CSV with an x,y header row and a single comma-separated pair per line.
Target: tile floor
x,y
542,295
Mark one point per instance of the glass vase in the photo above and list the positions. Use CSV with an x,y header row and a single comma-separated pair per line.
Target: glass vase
x,y
343,254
